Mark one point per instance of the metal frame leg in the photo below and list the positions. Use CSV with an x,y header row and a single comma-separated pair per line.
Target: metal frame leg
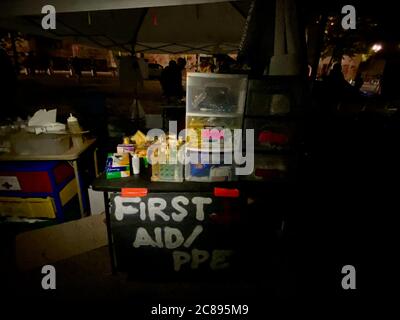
x,y
56,198
109,233
96,167
78,184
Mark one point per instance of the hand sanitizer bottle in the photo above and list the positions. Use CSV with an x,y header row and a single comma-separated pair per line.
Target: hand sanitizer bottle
x,y
75,129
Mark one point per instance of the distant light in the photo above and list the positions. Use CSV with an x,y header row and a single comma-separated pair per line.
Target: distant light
x,y
376,47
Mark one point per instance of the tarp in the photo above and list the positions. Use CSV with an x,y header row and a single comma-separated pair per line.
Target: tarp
x,y
205,28
33,7
200,28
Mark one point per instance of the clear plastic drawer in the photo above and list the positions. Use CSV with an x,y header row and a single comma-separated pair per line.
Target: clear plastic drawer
x,y
209,167
210,130
209,93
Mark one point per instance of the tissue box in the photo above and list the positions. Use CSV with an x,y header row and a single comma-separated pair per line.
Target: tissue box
x,y
118,165
121,148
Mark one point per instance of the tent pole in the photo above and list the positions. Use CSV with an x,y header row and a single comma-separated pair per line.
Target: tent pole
x,y
15,52
317,43
135,35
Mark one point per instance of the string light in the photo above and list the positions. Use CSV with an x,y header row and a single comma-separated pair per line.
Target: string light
x,y
376,47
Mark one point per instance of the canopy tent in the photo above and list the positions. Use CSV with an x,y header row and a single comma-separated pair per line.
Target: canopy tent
x,y
33,7
197,27
209,28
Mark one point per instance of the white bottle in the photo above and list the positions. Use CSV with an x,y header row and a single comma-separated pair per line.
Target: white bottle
x,y
75,129
135,164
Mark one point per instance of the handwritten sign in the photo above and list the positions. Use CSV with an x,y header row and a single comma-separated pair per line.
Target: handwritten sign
x,y
175,233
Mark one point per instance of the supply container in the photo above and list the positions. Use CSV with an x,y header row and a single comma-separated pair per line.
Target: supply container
x,y
76,131
209,93
25,143
209,166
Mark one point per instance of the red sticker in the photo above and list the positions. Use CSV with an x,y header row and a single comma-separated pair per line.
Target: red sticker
x,y
134,192
227,193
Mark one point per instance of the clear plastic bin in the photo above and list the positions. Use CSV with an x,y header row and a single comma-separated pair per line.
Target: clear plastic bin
x,y
208,167
210,130
167,172
209,93
165,162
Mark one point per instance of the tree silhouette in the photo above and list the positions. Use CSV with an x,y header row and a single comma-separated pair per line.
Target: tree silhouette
x,y
339,42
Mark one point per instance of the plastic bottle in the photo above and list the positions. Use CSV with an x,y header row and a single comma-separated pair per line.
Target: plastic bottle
x,y
135,164
75,129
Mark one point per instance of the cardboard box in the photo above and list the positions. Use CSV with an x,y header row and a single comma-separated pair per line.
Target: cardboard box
x,y
55,243
122,148
118,165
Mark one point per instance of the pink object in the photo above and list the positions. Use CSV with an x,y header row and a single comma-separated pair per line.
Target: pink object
x,y
213,134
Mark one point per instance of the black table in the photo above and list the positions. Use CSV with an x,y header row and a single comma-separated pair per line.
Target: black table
x,y
143,181
246,188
